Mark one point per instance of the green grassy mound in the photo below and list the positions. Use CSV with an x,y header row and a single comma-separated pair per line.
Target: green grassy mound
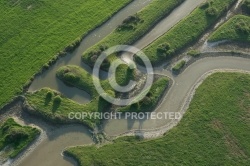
x,y
149,102
179,66
56,108
236,29
214,131
80,78
14,137
187,31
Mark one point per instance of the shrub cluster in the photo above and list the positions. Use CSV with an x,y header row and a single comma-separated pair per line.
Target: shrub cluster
x,y
93,55
194,53
179,66
164,50
242,27
57,100
15,135
129,23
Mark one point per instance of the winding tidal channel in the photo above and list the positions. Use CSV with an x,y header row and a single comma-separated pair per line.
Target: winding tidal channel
x,y
48,152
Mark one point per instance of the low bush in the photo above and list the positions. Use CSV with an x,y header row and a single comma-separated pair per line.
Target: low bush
x,y
49,95
16,137
242,27
57,100
212,11
150,101
129,23
194,53
179,66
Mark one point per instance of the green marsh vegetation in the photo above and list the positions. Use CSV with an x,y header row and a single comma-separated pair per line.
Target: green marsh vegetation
x,y
187,31
150,101
34,31
80,78
132,28
14,137
194,53
214,130
236,29
177,68
56,108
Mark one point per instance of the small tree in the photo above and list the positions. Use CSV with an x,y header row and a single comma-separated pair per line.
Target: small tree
x,y
49,95
57,100
211,11
163,48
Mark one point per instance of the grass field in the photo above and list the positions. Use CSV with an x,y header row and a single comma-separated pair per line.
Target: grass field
x,y
236,29
187,30
133,27
34,31
14,137
214,130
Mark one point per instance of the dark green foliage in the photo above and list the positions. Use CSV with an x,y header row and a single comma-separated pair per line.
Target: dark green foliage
x,y
205,5
246,6
57,100
49,95
242,27
163,49
212,11
194,53
149,102
15,136
94,54
103,104
179,66
129,23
